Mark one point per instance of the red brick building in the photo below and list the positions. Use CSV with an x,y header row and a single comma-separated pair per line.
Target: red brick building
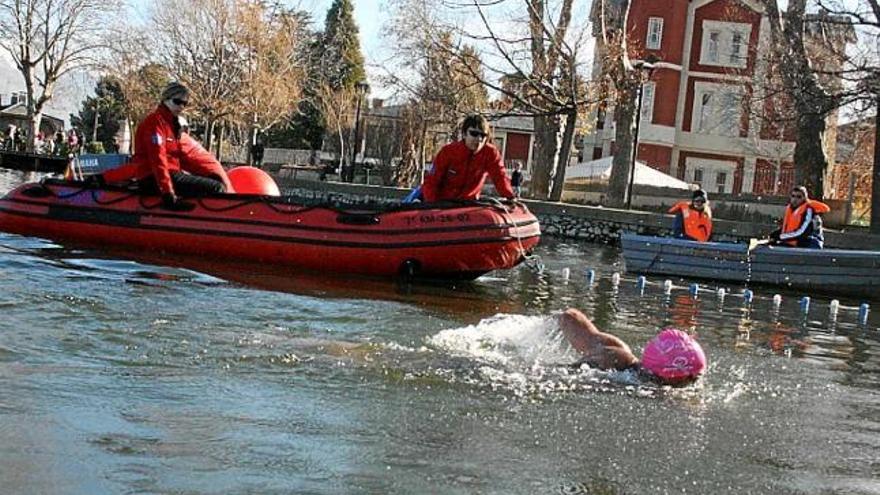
x,y
694,124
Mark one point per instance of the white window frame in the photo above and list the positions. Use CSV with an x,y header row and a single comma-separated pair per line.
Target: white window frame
x,y
724,53
710,115
710,169
648,94
654,37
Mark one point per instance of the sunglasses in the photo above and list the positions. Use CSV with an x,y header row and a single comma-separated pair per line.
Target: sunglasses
x,y
476,134
797,196
698,200
179,102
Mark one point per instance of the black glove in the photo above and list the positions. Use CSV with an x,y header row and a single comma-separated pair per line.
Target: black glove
x,y
171,202
95,181
774,236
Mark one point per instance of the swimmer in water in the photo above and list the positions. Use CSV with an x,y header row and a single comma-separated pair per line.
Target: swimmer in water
x,y
670,358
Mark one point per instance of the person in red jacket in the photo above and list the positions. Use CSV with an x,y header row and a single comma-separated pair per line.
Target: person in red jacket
x,y
156,164
461,167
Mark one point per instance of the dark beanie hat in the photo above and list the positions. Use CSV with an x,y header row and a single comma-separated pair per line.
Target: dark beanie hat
x,y
699,193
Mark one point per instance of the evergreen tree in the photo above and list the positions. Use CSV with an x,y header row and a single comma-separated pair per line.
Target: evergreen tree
x,y
110,104
343,62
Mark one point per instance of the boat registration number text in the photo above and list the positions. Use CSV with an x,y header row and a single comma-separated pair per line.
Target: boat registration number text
x,y
437,218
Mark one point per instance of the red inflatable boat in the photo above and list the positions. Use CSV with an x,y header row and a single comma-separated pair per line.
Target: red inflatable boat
x,y
452,240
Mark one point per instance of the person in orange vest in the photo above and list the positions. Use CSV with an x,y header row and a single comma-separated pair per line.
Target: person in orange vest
x,y
693,220
801,223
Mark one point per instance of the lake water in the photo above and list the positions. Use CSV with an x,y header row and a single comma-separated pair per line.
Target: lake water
x,y
125,372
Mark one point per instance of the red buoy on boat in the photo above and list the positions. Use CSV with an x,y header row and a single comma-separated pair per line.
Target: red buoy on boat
x,y
251,180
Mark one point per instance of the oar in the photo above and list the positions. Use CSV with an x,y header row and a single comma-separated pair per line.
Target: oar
x,y
753,243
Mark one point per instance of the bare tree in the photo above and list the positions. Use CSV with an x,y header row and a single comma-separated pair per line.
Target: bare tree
x,y
337,107
272,40
194,39
531,41
47,39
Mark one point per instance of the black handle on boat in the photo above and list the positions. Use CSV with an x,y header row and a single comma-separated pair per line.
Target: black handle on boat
x,y
357,219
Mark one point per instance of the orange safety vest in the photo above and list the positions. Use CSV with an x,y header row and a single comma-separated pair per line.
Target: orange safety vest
x,y
793,218
697,224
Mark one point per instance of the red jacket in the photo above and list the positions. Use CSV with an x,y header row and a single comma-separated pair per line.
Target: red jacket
x,y
197,160
459,173
157,151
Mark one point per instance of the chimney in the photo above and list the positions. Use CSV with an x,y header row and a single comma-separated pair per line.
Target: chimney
x,y
378,102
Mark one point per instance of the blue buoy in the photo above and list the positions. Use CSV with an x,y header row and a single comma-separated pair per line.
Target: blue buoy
x,y
864,309
695,289
591,276
641,282
805,304
748,295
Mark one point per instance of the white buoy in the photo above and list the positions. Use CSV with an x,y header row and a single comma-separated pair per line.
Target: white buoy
x,y
834,306
747,296
667,286
864,309
805,304
591,276
722,292
566,273
615,278
777,299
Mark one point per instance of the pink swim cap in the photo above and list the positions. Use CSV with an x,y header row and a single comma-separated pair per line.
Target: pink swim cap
x,y
674,355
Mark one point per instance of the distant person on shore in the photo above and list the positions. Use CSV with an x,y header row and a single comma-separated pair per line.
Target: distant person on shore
x,y
516,179
257,152
693,220
156,164
672,357
801,222
461,167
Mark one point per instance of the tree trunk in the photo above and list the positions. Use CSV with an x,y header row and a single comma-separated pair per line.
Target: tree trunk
x,y
546,157
568,128
809,153
875,185
624,135
209,133
220,139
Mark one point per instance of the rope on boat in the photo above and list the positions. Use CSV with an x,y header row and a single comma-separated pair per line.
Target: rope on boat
x,y
533,261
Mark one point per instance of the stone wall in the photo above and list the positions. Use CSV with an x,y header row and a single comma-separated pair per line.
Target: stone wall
x,y
585,223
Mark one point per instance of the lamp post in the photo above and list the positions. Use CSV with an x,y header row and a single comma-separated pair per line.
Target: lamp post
x,y
647,67
361,89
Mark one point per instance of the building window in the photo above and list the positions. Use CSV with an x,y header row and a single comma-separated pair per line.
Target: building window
x,y
698,177
600,117
712,175
736,45
655,33
597,152
717,109
648,102
712,47
725,44
720,182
